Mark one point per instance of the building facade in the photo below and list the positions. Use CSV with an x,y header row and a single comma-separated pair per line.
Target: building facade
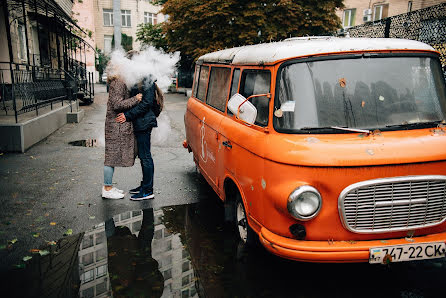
x,y
358,12
42,69
133,13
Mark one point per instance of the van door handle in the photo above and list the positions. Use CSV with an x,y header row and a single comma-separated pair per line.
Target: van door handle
x,y
227,144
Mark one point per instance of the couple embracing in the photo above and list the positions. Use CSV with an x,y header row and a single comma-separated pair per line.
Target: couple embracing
x,y
131,115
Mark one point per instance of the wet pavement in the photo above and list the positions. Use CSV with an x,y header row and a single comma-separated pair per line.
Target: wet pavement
x,y
189,251
177,245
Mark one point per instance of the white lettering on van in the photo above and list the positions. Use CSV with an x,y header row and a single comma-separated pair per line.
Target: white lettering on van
x,y
211,156
203,142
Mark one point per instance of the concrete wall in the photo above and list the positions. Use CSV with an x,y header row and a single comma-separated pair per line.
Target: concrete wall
x,y
18,137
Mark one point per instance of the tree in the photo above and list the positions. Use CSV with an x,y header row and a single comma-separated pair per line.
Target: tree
x,y
126,42
196,27
101,62
153,35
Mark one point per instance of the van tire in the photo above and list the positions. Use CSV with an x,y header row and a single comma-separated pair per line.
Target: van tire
x,y
245,233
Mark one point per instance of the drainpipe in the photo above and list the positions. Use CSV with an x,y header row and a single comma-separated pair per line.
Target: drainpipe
x,y
117,23
25,23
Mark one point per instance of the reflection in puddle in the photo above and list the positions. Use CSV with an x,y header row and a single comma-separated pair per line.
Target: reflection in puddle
x,y
134,255
85,143
188,251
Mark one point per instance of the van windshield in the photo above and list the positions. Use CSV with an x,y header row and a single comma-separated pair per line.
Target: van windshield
x,y
382,92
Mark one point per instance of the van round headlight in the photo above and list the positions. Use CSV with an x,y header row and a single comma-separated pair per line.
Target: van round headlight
x,y
304,202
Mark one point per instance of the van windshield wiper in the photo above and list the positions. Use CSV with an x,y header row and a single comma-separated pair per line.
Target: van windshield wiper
x,y
331,128
416,124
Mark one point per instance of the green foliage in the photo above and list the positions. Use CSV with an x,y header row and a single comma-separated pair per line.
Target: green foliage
x,y
101,62
153,35
126,42
196,27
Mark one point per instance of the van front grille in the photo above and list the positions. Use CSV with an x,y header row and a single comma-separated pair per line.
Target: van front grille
x,y
393,204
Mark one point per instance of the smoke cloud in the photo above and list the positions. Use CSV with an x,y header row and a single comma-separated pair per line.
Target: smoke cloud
x,y
147,63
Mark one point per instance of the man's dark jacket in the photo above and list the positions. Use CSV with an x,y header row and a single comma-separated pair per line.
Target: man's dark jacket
x,y
142,114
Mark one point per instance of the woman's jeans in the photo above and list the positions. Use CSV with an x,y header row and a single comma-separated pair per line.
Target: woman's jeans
x,y
145,156
108,175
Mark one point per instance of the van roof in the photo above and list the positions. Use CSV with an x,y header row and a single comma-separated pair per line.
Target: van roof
x,y
269,53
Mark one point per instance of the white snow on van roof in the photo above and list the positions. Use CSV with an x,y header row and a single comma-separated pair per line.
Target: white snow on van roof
x,y
269,53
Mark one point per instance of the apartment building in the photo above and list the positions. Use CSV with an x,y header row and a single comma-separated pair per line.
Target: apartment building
x,y
358,12
133,13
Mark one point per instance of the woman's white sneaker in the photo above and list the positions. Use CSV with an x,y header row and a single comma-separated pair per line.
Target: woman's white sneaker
x,y
111,194
118,190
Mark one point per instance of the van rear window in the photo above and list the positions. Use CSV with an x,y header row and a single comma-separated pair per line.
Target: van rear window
x,y
203,82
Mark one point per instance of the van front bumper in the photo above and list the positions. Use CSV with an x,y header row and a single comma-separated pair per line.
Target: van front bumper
x,y
333,251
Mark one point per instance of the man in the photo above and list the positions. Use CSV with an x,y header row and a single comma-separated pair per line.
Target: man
x,y
144,120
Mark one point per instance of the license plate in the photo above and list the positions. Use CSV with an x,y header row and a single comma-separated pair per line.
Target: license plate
x,y
407,252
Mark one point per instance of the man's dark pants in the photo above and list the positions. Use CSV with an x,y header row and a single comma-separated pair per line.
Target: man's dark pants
x,y
145,156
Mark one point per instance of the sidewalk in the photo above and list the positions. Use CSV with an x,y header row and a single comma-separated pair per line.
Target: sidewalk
x,y
55,186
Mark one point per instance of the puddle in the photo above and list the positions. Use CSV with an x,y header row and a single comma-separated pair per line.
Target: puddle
x,y
85,143
188,251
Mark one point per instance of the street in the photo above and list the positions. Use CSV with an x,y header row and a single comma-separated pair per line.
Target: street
x,y
54,189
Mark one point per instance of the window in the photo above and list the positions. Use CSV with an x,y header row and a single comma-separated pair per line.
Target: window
x,y
101,254
196,75
149,18
185,266
167,274
218,87
88,293
87,241
87,276
202,82
136,226
108,17
108,44
87,259
349,18
125,215
101,288
380,12
185,280
22,41
101,271
235,80
257,82
100,238
126,18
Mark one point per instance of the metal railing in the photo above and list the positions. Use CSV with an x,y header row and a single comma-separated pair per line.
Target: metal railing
x,y
25,88
427,25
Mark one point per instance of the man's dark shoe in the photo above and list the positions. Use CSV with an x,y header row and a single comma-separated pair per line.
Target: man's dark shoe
x,y
142,196
135,190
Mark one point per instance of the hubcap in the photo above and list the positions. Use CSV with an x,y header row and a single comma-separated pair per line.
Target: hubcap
x,y
241,222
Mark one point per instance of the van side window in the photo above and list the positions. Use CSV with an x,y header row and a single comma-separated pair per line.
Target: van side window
x,y
202,82
257,82
218,87
235,80
196,75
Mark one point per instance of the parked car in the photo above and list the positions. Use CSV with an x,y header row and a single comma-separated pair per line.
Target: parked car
x,y
328,149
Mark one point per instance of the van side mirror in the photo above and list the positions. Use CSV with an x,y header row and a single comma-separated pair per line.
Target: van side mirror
x,y
242,108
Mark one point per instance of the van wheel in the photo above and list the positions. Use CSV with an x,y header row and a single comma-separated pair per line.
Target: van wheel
x,y
245,233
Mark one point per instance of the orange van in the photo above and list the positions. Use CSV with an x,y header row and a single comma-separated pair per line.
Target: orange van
x,y
329,149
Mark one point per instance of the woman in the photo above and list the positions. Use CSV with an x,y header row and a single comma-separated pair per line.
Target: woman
x,y
120,146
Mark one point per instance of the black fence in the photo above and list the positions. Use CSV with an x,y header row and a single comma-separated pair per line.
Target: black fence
x,y
427,25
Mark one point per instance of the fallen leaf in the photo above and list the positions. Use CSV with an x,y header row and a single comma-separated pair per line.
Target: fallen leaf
x,y
52,223
52,243
27,258
36,235
81,204
92,217
44,252
68,232
13,241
